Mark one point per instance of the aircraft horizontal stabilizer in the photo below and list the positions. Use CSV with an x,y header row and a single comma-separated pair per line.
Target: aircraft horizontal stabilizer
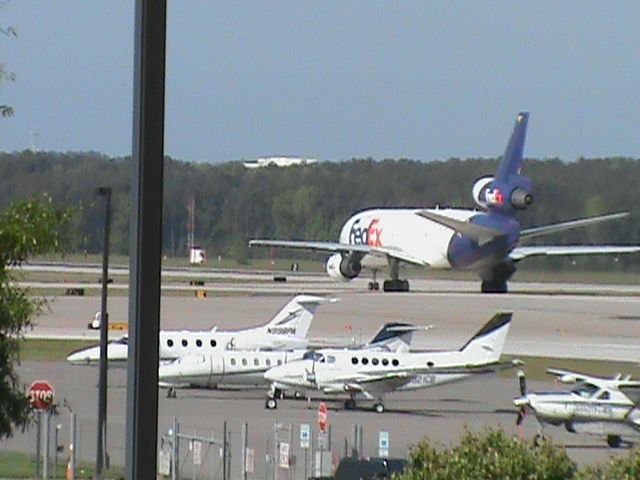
x,y
523,252
481,235
527,233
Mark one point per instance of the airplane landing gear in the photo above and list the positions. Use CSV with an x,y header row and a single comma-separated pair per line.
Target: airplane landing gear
x,y
350,404
395,284
614,441
271,403
373,284
495,280
171,392
378,407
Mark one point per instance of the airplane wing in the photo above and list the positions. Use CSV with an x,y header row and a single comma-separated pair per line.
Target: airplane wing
x,y
337,247
528,233
480,234
567,376
520,253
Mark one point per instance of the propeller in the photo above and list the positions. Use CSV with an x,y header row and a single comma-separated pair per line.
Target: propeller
x,y
522,382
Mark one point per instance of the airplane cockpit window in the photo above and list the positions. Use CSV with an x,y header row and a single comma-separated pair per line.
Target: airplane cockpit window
x,y
585,390
605,395
315,356
121,341
331,359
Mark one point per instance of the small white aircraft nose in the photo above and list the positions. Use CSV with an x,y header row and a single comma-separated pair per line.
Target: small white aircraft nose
x,y
521,402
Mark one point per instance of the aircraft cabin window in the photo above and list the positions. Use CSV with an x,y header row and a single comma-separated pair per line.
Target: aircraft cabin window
x,y
213,342
395,362
268,362
365,360
385,362
279,362
233,361
244,362
256,362
374,361
169,343
354,360
430,364
184,343
199,342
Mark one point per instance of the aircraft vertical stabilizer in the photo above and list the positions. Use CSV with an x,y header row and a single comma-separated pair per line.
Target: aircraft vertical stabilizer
x,y
486,346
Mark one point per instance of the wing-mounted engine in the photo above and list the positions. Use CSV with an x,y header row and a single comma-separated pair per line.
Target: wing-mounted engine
x,y
344,267
490,193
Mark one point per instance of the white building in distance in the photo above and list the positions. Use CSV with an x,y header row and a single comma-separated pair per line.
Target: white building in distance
x,y
278,162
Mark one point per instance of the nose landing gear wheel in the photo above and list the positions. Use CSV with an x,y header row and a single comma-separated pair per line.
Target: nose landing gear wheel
x,y
379,408
271,404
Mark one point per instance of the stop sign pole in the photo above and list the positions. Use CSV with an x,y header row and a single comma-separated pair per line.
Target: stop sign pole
x,y
41,395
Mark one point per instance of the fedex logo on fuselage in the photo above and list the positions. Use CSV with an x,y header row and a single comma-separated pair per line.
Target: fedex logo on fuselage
x,y
366,235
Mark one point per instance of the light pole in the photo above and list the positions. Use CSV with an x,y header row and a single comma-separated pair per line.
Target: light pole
x,y
101,454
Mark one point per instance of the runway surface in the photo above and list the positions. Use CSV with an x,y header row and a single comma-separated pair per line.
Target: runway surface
x,y
601,326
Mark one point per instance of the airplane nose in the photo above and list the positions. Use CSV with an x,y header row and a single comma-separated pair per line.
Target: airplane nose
x,y
521,402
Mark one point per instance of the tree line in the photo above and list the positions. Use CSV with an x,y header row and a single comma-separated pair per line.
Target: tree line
x,y
235,204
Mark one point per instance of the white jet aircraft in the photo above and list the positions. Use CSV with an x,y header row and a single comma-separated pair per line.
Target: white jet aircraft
x,y
287,330
247,368
607,407
488,241
374,374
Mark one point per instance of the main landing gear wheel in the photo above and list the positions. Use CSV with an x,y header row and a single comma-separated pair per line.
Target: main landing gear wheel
x,y
373,286
379,408
494,286
396,286
614,441
171,392
271,404
350,404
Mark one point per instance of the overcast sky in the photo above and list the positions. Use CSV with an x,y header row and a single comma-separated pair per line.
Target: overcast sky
x,y
332,79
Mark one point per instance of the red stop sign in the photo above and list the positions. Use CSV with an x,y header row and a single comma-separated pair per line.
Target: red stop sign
x,y
323,417
41,394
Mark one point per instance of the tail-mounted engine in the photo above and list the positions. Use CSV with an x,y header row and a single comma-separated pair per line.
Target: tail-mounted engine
x,y
488,193
344,267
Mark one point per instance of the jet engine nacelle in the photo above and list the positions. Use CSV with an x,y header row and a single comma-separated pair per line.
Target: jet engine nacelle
x,y
488,193
343,268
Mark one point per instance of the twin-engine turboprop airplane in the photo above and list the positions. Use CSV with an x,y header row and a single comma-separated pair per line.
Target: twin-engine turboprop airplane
x,y
287,330
489,242
607,407
247,367
374,374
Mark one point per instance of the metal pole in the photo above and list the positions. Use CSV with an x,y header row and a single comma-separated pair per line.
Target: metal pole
x,y
104,332
72,445
245,441
45,456
146,238
38,440
55,451
224,451
175,446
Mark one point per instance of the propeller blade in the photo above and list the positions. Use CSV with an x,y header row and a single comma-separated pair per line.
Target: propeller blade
x,y
520,417
522,382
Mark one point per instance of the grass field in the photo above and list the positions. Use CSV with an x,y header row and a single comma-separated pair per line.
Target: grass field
x,y
36,349
22,465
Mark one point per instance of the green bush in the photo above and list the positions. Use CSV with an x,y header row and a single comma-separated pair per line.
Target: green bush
x,y
625,467
490,455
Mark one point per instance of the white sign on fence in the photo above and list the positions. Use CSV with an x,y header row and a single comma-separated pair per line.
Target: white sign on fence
x,y
250,461
197,452
383,444
164,462
305,435
284,455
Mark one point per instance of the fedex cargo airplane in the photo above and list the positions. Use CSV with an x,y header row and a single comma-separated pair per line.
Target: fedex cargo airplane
x,y
489,241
